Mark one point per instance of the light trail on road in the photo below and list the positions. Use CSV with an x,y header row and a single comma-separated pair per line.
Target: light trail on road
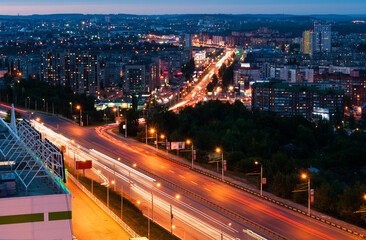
x,y
138,183
191,98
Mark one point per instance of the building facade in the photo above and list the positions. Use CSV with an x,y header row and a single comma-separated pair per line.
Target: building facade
x,y
80,71
287,101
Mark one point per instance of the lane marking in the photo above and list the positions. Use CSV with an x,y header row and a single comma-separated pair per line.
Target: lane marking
x,y
194,183
208,189
171,171
182,176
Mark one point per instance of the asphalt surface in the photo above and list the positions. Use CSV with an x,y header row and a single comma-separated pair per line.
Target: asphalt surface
x,y
280,220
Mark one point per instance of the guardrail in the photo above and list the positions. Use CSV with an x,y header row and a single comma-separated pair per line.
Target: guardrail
x,y
217,207
104,207
263,197
320,219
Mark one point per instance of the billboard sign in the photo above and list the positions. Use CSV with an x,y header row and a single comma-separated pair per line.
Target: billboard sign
x,y
87,164
178,145
214,157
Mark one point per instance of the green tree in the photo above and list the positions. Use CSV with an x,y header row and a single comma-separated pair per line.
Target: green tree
x,y
350,201
222,70
210,87
352,121
325,198
188,69
214,80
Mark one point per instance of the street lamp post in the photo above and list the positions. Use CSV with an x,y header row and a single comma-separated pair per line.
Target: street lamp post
x,y
305,176
122,201
146,133
78,107
218,150
162,136
115,113
126,127
156,136
190,142
148,219
107,195
152,130
256,163
152,200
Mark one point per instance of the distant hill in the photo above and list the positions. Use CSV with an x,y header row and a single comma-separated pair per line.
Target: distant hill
x,y
323,17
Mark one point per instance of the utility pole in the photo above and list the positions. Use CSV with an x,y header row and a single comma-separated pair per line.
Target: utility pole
x,y
126,127
146,133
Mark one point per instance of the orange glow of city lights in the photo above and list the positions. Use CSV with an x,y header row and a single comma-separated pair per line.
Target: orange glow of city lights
x,y
138,202
256,162
152,130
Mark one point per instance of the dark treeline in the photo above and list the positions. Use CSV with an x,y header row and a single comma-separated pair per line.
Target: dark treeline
x,y
285,146
35,94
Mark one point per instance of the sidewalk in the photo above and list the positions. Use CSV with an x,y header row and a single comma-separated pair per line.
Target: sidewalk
x,y
89,222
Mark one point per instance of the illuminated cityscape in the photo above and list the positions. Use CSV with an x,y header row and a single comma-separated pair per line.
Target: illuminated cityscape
x,y
195,120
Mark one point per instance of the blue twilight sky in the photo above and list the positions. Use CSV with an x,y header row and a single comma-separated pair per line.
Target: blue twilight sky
x,y
25,7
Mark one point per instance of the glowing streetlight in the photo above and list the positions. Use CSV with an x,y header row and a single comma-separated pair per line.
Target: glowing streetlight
x,y
258,163
188,141
148,219
305,176
78,107
218,150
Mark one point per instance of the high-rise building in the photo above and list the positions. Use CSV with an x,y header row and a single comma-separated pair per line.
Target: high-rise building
x,y
287,101
321,38
187,44
140,78
80,71
306,42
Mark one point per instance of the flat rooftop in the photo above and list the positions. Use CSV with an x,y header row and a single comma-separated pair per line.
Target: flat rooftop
x,y
40,185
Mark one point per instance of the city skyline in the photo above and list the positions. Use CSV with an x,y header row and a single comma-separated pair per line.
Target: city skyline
x,y
143,7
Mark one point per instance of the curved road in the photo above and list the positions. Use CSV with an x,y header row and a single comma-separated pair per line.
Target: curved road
x,y
280,220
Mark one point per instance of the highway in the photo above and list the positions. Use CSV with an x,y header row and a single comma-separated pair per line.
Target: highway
x,y
282,221
192,219
199,91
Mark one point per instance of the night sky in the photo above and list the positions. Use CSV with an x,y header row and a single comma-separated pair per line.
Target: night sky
x,y
26,7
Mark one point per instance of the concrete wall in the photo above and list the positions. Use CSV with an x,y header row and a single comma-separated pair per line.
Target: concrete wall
x,y
41,217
